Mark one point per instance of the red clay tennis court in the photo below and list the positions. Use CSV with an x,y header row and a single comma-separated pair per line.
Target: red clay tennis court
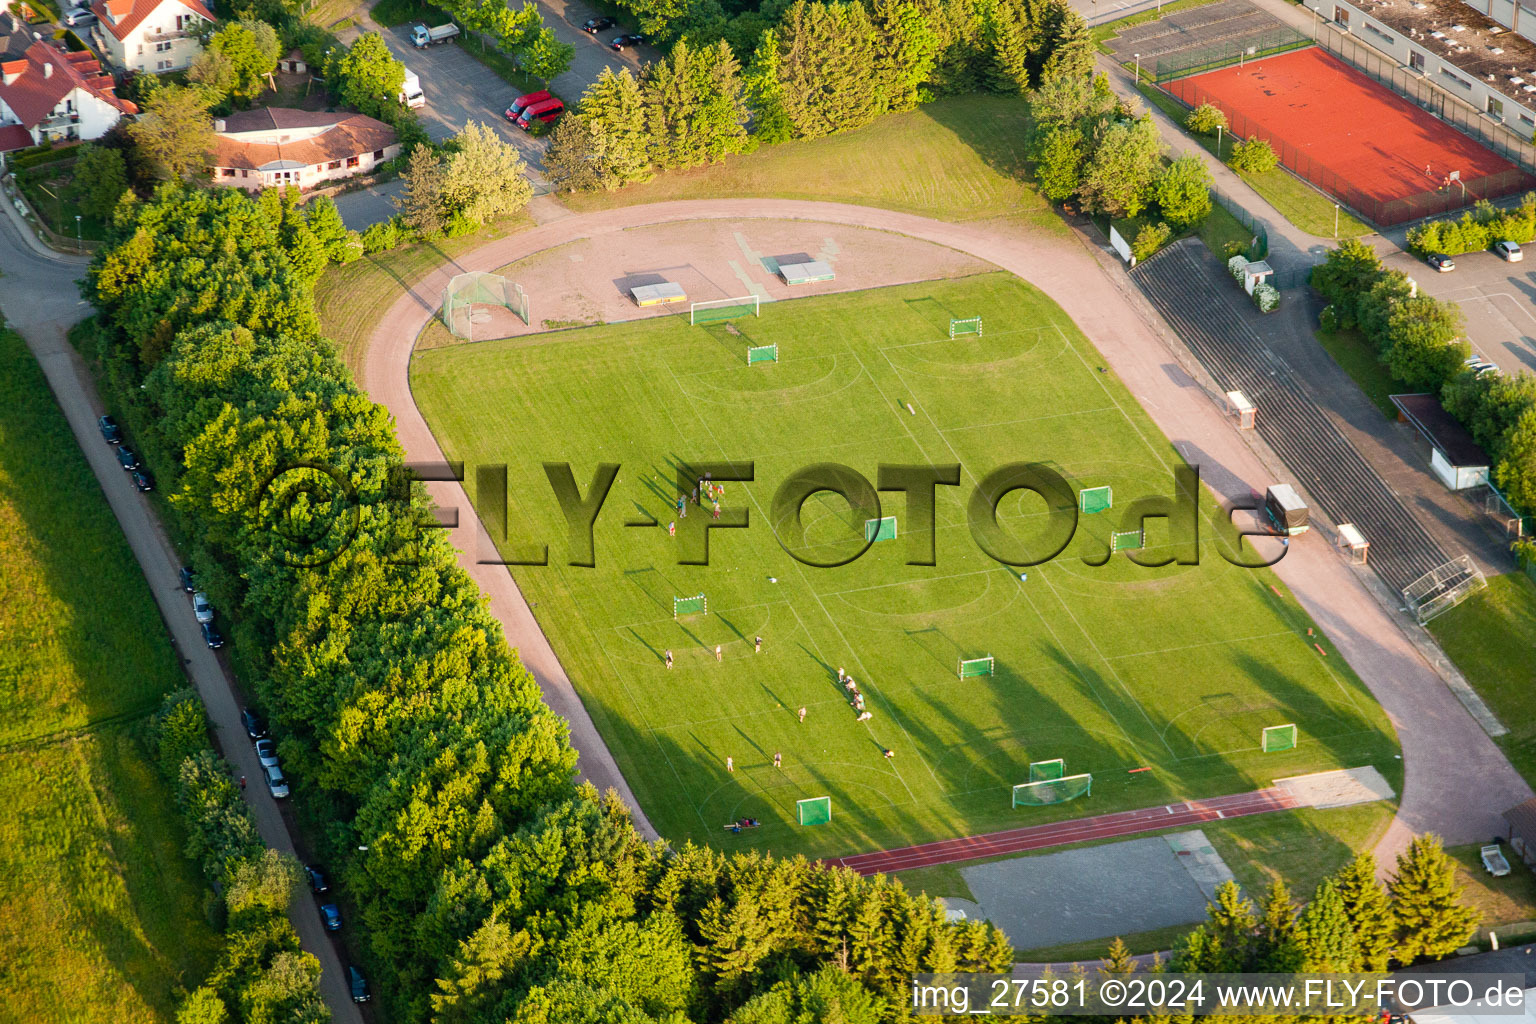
x,y
1353,138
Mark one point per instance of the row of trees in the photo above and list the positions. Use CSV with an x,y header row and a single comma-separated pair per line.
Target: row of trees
x,y
261,973
815,70
1352,922
492,887
1477,229
1420,340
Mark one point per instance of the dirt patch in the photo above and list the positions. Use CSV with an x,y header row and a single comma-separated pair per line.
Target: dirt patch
x,y
588,281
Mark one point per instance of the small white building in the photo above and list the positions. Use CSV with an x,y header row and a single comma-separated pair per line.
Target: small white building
x,y
153,36
278,146
49,95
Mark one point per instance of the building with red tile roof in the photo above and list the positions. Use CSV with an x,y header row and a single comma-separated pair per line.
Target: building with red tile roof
x,y
277,146
50,95
153,36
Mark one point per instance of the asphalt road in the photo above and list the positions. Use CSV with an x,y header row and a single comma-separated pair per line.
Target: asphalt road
x,y
39,298
1498,298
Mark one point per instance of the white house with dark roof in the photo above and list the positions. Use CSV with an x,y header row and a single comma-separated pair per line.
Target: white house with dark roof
x,y
278,146
153,36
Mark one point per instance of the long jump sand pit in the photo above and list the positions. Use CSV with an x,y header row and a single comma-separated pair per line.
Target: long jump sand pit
x,y
588,280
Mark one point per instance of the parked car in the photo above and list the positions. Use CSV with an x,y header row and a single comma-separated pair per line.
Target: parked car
x,y
80,17
254,727
1484,368
200,606
188,579
359,985
526,100
1441,262
316,878
624,42
592,26
110,431
142,480
211,636
1509,250
266,751
330,913
276,784
540,113
128,459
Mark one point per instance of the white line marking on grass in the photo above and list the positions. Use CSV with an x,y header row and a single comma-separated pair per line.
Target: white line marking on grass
x,y
1206,643
1020,584
800,570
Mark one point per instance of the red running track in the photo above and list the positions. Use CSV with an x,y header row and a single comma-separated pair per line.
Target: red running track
x,y
1077,830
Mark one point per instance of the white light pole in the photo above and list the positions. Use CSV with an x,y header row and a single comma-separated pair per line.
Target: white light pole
x,y
1335,222
79,239
1218,142
1138,67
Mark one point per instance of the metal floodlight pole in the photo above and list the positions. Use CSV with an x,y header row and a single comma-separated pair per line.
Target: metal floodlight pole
x,y
1138,67
1218,142
79,238
1335,222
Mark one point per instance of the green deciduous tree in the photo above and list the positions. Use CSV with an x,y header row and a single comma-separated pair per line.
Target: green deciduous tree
x,y
545,56
484,178
1432,920
1255,156
1516,472
247,52
570,162
366,75
1425,347
1183,192
1122,168
174,134
202,1006
1205,119
100,179
1059,162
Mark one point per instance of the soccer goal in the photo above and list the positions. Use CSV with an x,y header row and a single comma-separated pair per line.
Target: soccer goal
x,y
1127,540
1047,771
883,528
975,667
712,310
816,810
1052,791
479,288
1278,737
698,604
968,325
1095,499
762,354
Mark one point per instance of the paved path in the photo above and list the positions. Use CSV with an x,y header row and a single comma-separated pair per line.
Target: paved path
x,y
1076,830
39,299
1457,781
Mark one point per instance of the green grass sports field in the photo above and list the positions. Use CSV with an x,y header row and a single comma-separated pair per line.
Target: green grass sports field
x,y
1109,667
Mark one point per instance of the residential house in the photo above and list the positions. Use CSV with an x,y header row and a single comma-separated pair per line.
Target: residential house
x,y
256,149
50,95
153,36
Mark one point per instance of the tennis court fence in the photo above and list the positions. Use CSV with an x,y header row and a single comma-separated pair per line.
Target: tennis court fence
x,y
1381,212
1197,60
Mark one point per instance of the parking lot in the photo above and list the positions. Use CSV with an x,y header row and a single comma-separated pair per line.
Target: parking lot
x,y
1498,298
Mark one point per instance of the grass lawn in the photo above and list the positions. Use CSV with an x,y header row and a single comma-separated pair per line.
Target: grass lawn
x,y
1490,637
352,299
955,159
100,915
1111,668
1220,231
47,188
1357,357
1508,904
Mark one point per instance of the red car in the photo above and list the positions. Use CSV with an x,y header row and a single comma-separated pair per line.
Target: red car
x,y
542,112
524,101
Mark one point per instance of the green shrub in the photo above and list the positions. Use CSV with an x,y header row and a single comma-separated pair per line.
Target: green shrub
x,y
382,237
1328,320
1255,156
1149,239
1476,229
1205,119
